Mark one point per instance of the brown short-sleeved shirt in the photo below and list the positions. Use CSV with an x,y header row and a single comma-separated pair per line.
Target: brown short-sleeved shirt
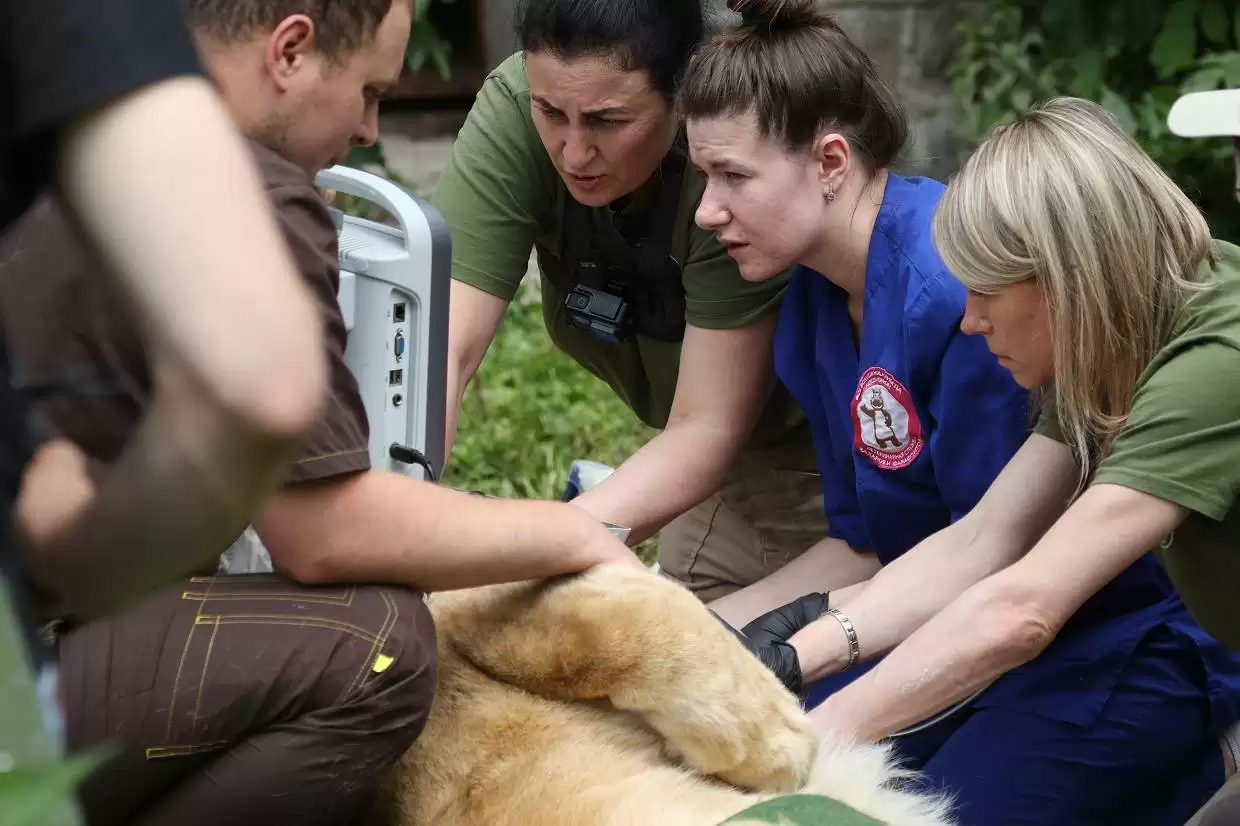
x,y
75,347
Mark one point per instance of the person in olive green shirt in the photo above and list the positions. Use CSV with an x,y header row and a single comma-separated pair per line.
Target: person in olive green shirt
x,y
1215,114
583,115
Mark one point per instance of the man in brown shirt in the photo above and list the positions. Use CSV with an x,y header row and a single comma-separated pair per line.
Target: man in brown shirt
x,y
267,699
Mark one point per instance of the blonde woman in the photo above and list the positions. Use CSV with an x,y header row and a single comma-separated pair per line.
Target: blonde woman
x,y
1094,280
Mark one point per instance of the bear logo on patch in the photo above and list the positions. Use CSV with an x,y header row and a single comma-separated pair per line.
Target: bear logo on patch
x,y
886,429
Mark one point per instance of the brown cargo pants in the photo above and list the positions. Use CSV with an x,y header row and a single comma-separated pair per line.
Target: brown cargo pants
x,y
767,513
248,701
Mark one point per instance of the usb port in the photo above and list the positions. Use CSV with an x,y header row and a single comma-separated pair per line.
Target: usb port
x,y
395,377
398,312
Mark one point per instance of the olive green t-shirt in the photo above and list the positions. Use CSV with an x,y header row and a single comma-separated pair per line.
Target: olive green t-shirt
x,y
501,197
1181,443
802,810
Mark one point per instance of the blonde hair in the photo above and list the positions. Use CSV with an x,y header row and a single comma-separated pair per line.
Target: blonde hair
x,y
1063,195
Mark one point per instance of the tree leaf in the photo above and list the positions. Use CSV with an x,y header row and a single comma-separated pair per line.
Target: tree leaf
x,y
1152,116
426,44
1087,73
1213,17
29,796
360,157
1119,107
1230,64
1176,44
1206,78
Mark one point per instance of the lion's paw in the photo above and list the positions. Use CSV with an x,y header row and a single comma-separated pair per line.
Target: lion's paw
x,y
750,731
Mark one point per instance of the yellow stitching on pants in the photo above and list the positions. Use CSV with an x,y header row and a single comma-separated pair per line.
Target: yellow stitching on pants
x,y
232,578
389,622
176,683
160,752
307,622
344,601
202,677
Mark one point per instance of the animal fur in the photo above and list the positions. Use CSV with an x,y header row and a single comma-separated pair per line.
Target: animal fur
x,y
615,698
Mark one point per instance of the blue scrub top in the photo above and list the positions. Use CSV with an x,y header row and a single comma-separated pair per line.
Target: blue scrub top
x,y
912,424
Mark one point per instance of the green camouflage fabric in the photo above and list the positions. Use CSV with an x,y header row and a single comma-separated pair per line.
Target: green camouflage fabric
x,y
803,810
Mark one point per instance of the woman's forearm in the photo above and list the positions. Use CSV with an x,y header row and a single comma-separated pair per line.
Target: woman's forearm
x,y
946,660
1001,622
458,379
830,566
903,596
474,317
670,474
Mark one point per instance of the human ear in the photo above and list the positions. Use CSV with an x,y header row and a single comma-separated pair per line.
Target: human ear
x,y
288,47
834,158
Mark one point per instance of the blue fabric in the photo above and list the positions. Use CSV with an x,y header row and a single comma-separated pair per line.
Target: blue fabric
x,y
1150,759
910,427
966,414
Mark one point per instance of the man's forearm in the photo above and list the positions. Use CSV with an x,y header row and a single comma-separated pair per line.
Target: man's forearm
x,y
670,474
383,527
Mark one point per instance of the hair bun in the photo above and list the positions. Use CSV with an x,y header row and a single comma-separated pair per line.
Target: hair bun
x,y
775,13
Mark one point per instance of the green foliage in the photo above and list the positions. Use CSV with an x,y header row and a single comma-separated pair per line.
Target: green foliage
x,y
425,44
30,796
1135,57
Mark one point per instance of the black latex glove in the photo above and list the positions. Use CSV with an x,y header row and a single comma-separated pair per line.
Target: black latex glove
x,y
782,622
767,637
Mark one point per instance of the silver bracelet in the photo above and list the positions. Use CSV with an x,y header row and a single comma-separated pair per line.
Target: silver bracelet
x,y
854,647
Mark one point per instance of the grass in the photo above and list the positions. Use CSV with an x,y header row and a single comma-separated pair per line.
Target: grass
x,y
531,410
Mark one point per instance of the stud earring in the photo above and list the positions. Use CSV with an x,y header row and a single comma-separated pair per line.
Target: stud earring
x,y
830,192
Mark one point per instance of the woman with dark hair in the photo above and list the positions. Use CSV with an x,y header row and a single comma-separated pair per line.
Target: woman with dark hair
x,y
572,150
1034,694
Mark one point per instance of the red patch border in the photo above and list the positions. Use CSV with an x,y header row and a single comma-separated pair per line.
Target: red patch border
x,y
916,440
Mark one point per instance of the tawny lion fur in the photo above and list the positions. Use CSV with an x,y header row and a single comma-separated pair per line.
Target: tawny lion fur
x,y
614,698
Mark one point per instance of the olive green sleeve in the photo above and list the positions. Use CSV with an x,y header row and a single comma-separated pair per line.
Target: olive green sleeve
x,y
1182,438
496,193
716,297
1048,419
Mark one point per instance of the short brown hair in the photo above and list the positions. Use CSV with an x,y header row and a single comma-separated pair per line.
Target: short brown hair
x,y
798,72
341,26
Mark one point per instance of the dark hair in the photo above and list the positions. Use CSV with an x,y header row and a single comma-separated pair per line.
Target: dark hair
x,y
341,26
656,36
796,70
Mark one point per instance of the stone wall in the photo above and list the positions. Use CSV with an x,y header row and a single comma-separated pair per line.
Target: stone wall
x,y
911,41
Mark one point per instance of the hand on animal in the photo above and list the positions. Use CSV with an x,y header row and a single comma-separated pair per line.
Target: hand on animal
x,y
606,549
767,637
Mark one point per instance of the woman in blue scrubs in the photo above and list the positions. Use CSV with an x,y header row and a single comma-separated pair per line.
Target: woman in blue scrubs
x,y
1118,717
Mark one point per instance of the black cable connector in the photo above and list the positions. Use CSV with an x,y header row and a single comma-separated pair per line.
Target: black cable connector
x,y
412,456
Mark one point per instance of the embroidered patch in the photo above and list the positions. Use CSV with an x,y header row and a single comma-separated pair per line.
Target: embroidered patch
x,y
886,429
